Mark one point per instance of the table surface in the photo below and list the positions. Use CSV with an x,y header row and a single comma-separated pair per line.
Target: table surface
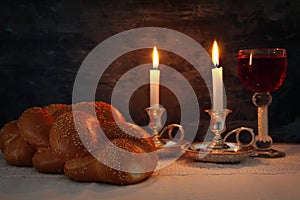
x,y
253,178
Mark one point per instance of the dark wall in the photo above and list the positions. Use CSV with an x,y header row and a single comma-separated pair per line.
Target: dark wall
x,y
44,44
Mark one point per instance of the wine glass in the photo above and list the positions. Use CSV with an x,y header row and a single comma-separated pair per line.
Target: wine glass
x,y
263,71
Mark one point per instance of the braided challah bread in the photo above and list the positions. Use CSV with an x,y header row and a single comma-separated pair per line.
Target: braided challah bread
x,y
87,141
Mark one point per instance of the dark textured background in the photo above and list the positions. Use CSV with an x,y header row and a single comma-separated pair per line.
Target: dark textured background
x,y
43,45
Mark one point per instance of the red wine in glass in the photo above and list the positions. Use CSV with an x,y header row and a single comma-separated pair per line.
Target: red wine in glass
x,y
263,71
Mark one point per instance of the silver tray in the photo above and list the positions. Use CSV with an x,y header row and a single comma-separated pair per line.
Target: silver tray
x,y
235,154
172,148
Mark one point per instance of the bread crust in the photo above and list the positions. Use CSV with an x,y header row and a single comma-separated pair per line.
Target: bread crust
x,y
46,161
65,139
131,169
19,152
9,131
34,125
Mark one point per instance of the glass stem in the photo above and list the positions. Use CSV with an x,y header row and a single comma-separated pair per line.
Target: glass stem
x,y
262,116
262,100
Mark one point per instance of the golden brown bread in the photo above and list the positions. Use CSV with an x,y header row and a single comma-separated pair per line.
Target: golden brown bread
x,y
64,138
18,152
130,162
83,169
57,109
53,108
125,130
15,149
79,149
113,166
45,161
9,131
104,112
109,113
34,125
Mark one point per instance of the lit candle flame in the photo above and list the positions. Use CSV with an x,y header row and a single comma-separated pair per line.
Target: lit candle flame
x,y
215,54
155,58
250,59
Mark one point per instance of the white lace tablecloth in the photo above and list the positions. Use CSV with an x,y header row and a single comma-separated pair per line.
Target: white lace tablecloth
x,y
184,179
288,164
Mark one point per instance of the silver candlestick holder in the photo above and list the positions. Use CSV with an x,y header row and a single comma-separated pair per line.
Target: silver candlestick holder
x,y
218,126
218,150
170,146
155,113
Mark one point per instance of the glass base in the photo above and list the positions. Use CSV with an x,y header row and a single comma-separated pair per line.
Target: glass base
x,y
269,153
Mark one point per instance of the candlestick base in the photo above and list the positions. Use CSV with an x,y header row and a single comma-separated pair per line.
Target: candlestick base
x,y
172,147
219,144
234,154
157,142
218,153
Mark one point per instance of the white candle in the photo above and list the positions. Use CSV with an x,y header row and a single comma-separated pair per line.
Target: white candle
x,y
217,77
154,80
